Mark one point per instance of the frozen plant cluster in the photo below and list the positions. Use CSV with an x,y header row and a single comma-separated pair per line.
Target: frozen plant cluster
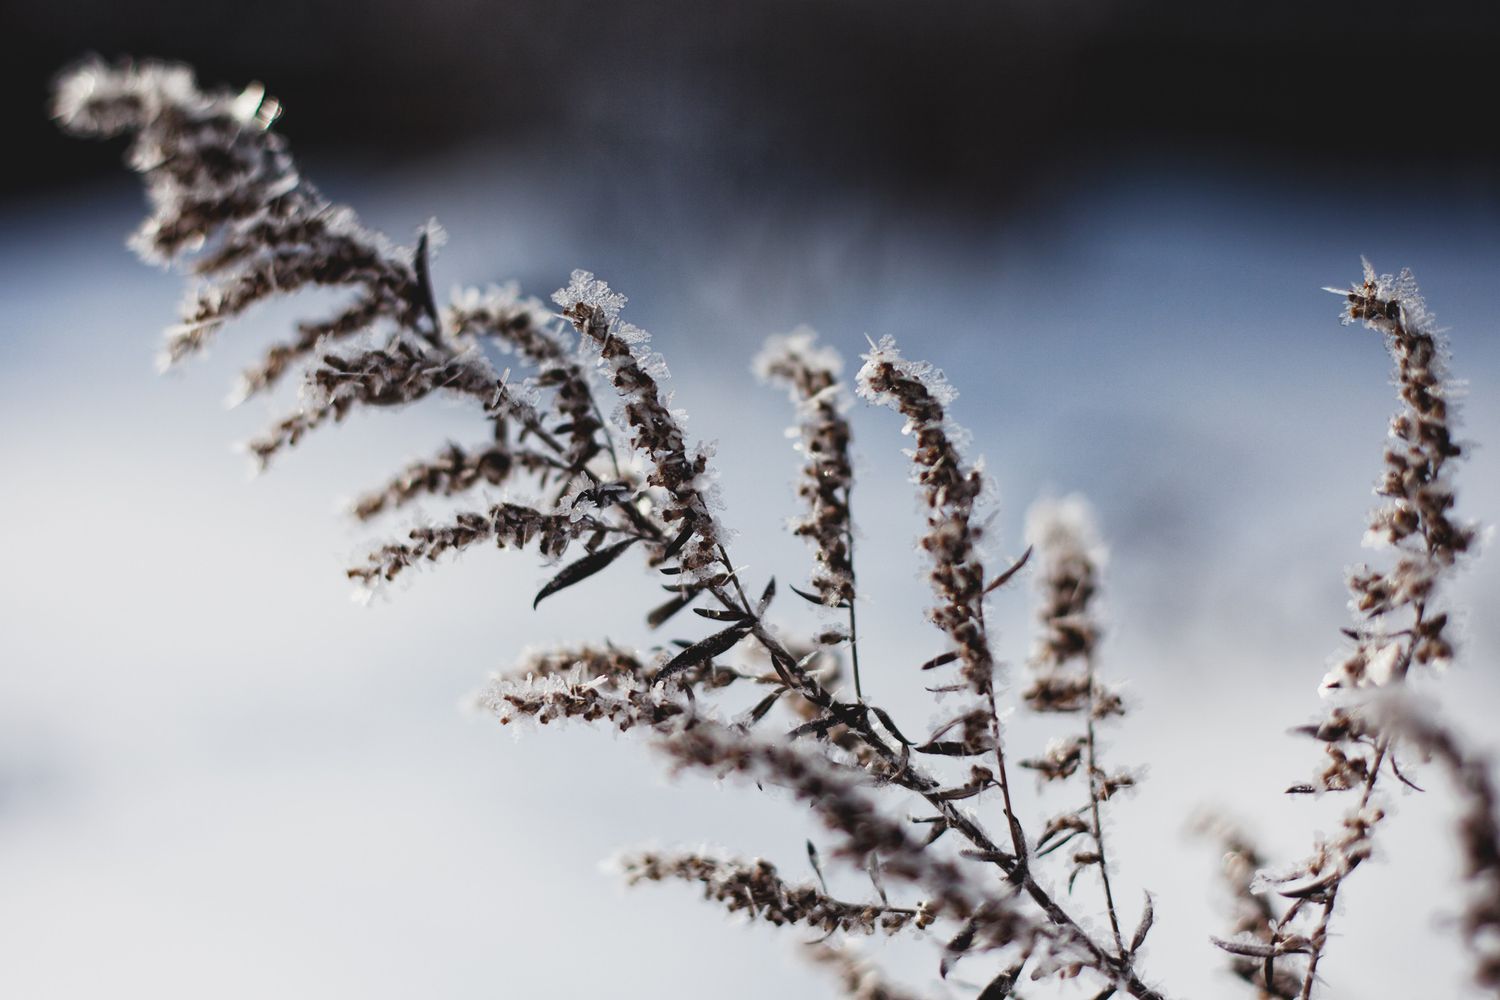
x,y
924,817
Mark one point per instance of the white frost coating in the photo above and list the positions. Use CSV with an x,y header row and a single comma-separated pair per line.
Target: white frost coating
x,y
1067,527
932,379
655,365
801,344
942,392
885,351
628,332
656,432
585,289
1401,287
83,96
499,300
497,306
437,236
1382,665
785,352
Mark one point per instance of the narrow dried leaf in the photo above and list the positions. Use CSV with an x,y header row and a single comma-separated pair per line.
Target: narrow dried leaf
x,y
1042,852
808,597
678,541
1396,770
817,866
1015,568
954,794
705,649
720,614
1311,890
948,748
816,727
890,726
939,827
428,301
764,706
1001,986
582,569
765,598
961,942
1251,949
940,659
664,612
1144,927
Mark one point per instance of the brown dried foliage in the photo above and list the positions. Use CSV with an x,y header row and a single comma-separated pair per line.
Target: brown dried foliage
x,y
742,701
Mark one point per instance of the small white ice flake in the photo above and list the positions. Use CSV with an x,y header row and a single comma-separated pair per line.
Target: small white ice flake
x,y
1381,666
585,289
629,333
582,509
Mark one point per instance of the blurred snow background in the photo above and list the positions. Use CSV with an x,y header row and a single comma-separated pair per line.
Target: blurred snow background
x,y
219,776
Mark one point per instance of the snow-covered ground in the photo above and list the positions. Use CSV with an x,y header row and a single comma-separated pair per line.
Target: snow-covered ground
x,y
220,777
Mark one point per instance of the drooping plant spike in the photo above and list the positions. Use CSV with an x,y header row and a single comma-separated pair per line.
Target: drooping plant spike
x,y
1398,627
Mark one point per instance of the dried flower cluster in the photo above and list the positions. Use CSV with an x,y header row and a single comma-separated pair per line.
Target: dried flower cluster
x,y
755,700
217,175
950,488
755,886
1252,942
656,437
1478,823
858,979
1396,628
1065,681
811,376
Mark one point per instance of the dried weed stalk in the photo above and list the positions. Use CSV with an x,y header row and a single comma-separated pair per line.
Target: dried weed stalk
x,y
1066,681
589,429
1397,628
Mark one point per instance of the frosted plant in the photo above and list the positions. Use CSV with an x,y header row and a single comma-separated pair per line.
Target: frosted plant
x,y
587,427
1066,681
1398,627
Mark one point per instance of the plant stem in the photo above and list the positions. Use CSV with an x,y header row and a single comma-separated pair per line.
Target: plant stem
x,y
1094,775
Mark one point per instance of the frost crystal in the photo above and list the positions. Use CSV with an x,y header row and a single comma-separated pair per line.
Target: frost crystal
x,y
586,290
885,352
1066,528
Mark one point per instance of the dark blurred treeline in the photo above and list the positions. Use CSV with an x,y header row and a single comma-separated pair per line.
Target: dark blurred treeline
x,y
959,98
